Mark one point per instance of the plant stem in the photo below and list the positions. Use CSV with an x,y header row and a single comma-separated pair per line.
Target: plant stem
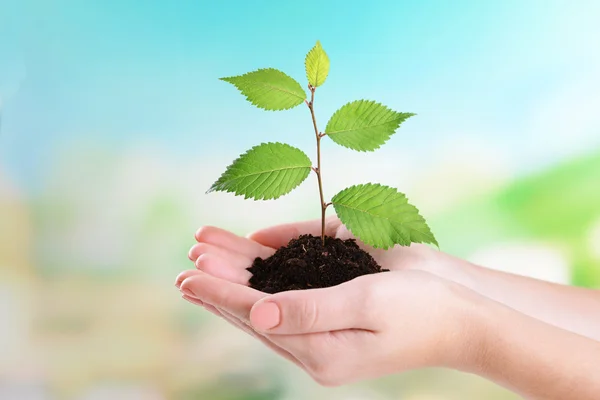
x,y
318,135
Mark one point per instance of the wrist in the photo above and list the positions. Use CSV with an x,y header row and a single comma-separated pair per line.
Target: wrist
x,y
528,356
453,269
467,341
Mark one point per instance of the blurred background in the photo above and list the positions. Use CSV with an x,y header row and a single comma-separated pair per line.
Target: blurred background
x,y
113,123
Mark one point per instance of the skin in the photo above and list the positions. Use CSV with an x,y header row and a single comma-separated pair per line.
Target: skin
x,y
536,338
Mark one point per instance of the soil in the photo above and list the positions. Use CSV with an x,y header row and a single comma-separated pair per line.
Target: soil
x,y
306,264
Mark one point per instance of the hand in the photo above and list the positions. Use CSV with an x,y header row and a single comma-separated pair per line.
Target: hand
x,y
371,326
368,327
225,255
407,318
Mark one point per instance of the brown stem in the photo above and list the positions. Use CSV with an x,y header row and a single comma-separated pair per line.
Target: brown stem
x,y
318,168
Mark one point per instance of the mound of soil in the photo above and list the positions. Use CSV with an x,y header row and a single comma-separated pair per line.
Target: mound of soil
x,y
306,264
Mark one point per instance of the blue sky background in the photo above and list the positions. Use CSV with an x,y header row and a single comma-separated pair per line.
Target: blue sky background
x,y
114,124
121,73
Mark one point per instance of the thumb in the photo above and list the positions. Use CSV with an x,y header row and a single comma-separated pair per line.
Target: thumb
x,y
310,311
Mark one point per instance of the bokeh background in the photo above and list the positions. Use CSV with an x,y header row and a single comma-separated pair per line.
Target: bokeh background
x,y
113,125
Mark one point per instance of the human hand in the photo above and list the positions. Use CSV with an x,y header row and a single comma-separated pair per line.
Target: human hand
x,y
368,327
340,334
227,256
408,318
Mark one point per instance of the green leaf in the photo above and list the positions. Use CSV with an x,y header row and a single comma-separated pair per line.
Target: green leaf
x,y
317,65
364,125
269,89
264,172
381,216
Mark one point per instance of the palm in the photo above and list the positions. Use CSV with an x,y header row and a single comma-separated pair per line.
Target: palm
x,y
224,255
396,258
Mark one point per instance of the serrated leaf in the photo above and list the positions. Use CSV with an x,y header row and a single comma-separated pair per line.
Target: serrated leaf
x,y
381,216
317,65
264,172
364,125
269,89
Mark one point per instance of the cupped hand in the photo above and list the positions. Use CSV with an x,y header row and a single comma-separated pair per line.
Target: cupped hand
x,y
226,255
367,327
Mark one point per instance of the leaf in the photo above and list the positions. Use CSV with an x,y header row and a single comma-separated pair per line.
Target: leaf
x,y
269,89
317,65
364,125
381,216
264,172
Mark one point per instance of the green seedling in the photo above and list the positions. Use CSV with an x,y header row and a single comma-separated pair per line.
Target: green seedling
x,y
376,214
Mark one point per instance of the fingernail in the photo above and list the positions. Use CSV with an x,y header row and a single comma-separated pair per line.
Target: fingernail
x,y
266,316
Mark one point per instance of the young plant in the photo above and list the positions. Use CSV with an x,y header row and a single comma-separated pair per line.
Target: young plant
x,y
376,214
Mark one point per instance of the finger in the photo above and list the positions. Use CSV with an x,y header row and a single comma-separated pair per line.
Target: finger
x,y
295,348
280,235
230,241
211,309
185,274
309,311
219,268
234,298
264,339
192,300
244,327
234,259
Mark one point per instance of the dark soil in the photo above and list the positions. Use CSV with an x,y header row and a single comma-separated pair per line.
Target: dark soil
x,y
306,264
